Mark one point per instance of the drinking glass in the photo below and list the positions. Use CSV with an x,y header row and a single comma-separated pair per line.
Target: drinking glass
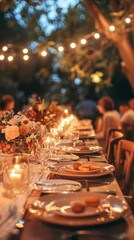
x,y
74,136
16,177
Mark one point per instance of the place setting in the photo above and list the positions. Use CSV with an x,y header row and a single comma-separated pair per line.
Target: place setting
x,y
63,157
83,150
57,186
80,169
75,210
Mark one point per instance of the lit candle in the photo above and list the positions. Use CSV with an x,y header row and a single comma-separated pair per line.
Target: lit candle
x,y
14,175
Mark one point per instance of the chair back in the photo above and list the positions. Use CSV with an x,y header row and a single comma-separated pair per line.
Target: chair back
x,y
124,165
114,135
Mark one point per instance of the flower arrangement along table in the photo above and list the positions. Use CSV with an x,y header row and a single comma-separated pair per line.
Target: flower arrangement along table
x,y
18,133
47,114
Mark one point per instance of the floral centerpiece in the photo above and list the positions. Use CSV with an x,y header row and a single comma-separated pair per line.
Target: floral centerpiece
x,y
47,114
18,133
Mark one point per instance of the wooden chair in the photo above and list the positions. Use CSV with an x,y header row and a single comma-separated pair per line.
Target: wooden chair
x,y
128,131
124,169
114,135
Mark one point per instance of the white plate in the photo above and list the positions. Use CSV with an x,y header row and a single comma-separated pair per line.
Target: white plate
x,y
64,157
60,169
65,208
114,209
82,151
57,186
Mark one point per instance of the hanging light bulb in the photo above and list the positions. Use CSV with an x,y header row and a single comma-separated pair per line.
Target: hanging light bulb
x,y
5,48
83,41
60,49
112,28
2,57
25,50
96,35
73,45
10,58
44,53
25,57
128,20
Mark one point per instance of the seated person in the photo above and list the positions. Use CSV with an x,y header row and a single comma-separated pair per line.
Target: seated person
x,y
86,109
110,119
127,123
7,102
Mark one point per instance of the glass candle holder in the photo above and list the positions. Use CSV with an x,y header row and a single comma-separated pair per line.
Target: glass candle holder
x,y
16,175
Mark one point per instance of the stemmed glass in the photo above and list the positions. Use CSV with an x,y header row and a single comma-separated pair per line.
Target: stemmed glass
x,y
74,136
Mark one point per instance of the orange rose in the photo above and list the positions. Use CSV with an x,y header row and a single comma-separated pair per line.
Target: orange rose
x,y
11,132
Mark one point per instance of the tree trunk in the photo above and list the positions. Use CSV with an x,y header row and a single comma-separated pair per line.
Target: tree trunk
x,y
121,41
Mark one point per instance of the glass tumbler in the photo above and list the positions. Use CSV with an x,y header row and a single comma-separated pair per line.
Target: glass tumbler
x,y
16,175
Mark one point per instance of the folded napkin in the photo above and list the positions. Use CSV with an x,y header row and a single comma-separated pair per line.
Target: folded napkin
x,y
10,212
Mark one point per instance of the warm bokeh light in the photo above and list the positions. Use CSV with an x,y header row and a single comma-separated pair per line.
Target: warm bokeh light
x,y
25,50
66,111
83,41
128,20
73,45
96,35
5,48
10,58
60,49
44,53
112,28
2,57
25,57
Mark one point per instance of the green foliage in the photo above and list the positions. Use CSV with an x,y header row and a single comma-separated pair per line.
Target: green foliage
x,y
70,26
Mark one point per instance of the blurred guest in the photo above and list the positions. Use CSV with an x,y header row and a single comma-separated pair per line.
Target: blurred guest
x,y
7,102
127,121
86,109
131,103
110,119
123,107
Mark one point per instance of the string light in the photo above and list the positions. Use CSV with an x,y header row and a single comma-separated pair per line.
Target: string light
x,y
112,28
128,20
5,48
2,57
96,35
73,45
10,58
25,57
25,50
44,53
83,41
60,49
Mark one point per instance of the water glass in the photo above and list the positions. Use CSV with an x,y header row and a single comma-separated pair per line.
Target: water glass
x,y
16,175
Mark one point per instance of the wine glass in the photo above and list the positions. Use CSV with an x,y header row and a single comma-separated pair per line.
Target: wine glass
x,y
74,137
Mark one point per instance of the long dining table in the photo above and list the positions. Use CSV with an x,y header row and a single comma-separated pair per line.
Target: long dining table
x,y
111,222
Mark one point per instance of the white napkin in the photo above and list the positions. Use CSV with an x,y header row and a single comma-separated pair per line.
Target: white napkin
x,y
10,212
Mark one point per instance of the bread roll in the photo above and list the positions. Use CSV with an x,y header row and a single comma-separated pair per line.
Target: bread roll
x,y
84,148
78,206
83,168
76,165
92,201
